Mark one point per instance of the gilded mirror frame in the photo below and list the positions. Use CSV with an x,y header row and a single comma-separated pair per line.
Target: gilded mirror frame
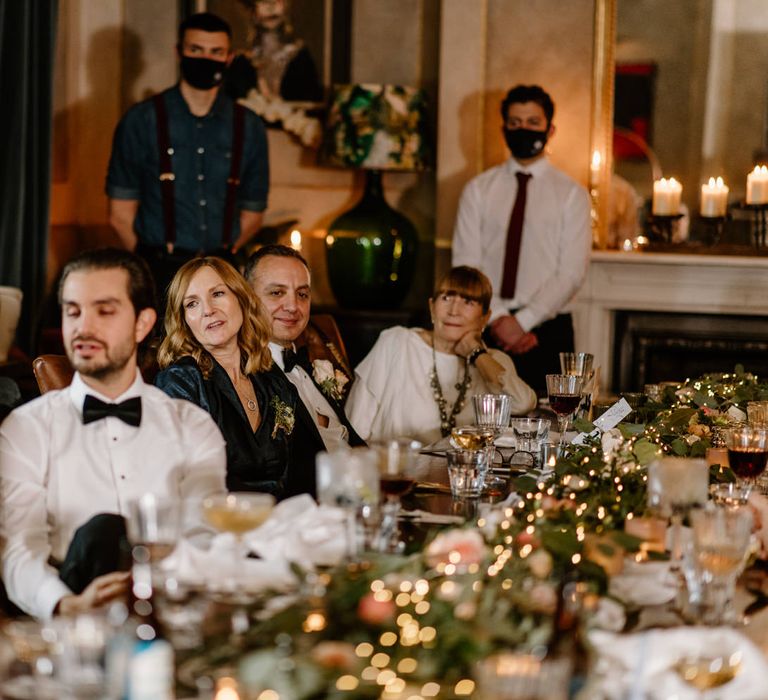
x,y
601,129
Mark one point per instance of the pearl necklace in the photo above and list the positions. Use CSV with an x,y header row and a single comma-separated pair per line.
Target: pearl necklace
x,y
448,422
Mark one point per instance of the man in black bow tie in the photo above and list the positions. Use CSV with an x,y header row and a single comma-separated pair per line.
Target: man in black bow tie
x,y
281,279
72,461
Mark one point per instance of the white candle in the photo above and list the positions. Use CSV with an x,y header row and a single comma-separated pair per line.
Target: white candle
x,y
757,185
296,240
666,197
714,198
594,168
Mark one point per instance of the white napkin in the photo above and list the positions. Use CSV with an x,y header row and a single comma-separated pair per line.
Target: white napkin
x,y
643,583
641,666
222,567
298,530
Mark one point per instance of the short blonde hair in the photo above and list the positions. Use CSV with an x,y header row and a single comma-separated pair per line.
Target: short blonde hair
x,y
253,336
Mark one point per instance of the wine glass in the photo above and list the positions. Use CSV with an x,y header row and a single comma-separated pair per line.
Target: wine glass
x,y
721,542
492,412
397,476
580,365
155,524
564,392
747,451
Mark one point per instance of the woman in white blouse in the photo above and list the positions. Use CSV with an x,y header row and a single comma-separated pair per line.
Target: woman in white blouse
x,y
419,383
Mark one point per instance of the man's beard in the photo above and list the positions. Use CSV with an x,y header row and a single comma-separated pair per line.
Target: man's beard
x,y
112,362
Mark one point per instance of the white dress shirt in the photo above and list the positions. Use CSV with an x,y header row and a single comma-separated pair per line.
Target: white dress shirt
x,y
335,434
56,473
392,396
556,242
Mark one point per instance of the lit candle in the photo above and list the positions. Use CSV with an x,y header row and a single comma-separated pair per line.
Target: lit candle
x,y
594,168
757,185
652,531
717,455
714,198
296,240
666,197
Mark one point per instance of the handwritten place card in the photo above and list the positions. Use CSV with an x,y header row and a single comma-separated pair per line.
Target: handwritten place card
x,y
610,419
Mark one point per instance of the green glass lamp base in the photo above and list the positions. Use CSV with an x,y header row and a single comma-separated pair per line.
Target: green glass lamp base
x,y
371,252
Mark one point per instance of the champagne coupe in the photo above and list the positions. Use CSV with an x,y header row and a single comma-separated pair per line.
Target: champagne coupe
x,y
708,672
237,513
564,392
721,541
471,437
397,476
747,451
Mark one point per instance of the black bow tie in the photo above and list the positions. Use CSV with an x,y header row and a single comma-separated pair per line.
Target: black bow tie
x,y
298,358
129,411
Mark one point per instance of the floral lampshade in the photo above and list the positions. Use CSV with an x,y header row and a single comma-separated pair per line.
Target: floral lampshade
x,y
380,127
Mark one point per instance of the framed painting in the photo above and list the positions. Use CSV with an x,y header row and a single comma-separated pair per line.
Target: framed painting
x,y
286,50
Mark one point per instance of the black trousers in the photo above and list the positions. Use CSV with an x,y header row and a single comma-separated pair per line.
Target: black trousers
x,y
555,336
98,547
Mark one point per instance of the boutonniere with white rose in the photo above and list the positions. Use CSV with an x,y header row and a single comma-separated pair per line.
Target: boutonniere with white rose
x,y
284,417
330,380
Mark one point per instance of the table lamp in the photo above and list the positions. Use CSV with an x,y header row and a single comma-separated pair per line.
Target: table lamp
x,y
371,249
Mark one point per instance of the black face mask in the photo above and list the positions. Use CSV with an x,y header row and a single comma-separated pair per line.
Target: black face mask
x,y
202,73
525,143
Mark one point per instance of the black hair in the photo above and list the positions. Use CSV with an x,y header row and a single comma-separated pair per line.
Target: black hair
x,y
529,93
141,285
207,22
280,251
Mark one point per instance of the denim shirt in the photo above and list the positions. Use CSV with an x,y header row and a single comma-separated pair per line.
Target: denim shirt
x,y
201,164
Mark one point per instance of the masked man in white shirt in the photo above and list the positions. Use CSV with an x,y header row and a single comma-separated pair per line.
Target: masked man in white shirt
x,y
72,461
526,225
281,279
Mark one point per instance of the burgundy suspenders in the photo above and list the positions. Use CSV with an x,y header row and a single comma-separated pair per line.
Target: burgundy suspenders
x,y
233,181
167,177
166,169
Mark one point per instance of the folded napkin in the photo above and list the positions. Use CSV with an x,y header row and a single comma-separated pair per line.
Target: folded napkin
x,y
642,666
223,567
298,530
643,583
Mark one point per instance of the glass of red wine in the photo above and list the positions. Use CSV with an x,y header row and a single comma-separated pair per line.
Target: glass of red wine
x,y
397,477
747,451
564,392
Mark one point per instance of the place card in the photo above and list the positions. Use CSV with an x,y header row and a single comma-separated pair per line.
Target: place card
x,y
610,419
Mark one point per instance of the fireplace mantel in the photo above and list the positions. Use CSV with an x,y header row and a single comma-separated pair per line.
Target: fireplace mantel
x,y
663,282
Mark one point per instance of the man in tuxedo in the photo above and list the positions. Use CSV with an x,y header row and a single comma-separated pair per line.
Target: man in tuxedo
x,y
281,278
72,461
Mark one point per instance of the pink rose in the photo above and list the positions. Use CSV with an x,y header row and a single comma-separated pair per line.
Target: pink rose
x,y
469,545
375,612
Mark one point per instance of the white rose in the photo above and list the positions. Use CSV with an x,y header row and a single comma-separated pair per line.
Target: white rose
x,y
322,371
611,440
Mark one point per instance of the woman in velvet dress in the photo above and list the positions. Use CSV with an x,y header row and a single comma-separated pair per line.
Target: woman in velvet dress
x,y
216,355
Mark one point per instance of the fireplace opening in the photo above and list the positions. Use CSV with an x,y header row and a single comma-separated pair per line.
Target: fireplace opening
x,y
653,347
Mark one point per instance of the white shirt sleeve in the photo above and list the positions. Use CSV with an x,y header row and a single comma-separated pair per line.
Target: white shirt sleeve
x,y
31,582
368,390
206,457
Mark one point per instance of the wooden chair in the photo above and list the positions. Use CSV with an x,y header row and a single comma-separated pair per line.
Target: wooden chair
x,y
324,341
52,372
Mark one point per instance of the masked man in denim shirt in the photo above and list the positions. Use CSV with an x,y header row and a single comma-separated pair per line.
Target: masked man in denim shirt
x,y
189,171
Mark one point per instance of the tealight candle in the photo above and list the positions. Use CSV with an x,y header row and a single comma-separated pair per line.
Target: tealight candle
x,y
666,197
652,531
717,455
594,168
757,185
714,198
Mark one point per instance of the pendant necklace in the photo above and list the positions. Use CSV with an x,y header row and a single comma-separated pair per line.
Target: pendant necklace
x,y
448,422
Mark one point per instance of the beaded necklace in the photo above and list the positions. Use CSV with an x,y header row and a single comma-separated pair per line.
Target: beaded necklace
x,y
448,422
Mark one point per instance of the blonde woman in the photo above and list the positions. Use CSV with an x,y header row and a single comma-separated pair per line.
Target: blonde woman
x,y
419,383
216,355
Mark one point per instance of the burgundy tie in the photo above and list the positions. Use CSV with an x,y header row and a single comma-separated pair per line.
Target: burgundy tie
x,y
514,236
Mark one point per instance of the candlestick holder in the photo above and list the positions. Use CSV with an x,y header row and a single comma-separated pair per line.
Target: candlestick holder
x,y
662,226
712,227
759,223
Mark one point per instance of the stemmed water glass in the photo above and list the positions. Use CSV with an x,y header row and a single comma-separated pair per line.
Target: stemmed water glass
x,y
492,412
564,391
721,541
